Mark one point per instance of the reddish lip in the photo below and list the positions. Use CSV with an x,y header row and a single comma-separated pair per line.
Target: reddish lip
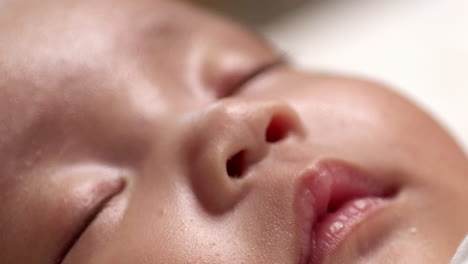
x,y
331,199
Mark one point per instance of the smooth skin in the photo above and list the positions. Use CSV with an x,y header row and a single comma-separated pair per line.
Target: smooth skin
x,y
119,120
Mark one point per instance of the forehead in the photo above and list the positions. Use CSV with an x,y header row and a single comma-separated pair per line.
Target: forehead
x,y
54,43
60,58
46,41
49,49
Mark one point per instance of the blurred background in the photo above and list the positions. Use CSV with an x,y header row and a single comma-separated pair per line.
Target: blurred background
x,y
418,47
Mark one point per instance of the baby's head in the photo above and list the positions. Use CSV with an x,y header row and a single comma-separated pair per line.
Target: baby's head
x,y
153,132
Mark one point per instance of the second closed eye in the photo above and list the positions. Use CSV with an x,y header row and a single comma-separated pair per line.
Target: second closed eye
x,y
221,72
237,84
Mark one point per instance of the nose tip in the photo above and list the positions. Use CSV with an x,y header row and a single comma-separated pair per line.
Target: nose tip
x,y
258,127
281,125
233,135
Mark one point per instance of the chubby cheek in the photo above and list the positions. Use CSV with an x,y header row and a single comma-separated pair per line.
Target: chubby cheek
x,y
170,227
364,122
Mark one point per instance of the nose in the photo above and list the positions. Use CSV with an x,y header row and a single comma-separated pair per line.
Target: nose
x,y
227,139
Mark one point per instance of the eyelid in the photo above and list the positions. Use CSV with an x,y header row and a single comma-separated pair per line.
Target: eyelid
x,y
279,61
91,216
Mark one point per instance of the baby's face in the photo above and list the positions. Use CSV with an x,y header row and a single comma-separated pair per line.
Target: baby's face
x,y
152,132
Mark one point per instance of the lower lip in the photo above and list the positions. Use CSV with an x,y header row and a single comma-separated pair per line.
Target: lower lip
x,y
332,230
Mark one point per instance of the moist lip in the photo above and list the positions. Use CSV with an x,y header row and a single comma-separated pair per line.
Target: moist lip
x,y
332,198
330,232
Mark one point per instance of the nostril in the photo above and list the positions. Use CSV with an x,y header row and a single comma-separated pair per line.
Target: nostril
x,y
277,129
235,165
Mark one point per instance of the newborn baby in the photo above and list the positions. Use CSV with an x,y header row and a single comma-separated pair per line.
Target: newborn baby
x,y
149,131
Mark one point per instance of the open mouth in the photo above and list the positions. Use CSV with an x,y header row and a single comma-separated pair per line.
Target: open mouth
x,y
332,199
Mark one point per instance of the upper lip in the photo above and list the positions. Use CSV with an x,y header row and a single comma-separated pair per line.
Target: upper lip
x,y
326,187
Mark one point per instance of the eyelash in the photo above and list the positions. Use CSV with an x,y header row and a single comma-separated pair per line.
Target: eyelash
x,y
251,76
85,224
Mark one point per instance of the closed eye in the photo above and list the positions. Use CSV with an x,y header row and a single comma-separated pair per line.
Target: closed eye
x,y
252,76
87,221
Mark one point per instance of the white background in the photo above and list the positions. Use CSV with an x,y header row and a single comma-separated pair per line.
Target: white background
x,y
420,47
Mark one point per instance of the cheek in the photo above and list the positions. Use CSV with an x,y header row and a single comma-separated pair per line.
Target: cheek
x,y
163,223
342,117
365,123
376,127
370,125
183,233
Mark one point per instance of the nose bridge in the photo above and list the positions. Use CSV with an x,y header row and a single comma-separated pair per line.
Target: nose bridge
x,y
228,139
